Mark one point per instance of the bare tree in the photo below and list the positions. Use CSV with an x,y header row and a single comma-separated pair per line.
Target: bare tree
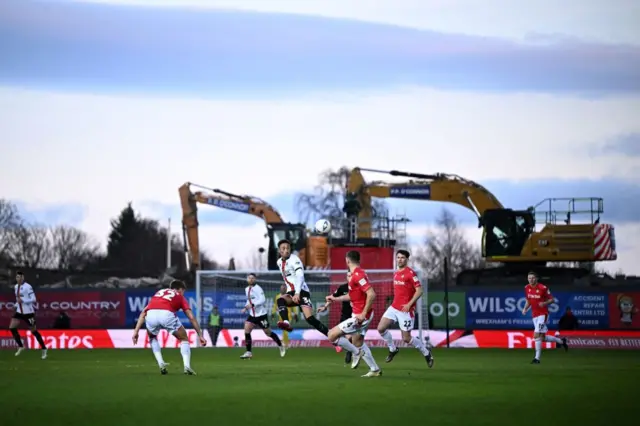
x,y
9,223
30,246
72,248
449,241
328,197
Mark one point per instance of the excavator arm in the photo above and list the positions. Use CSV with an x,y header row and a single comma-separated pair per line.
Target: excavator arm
x,y
509,236
427,187
189,201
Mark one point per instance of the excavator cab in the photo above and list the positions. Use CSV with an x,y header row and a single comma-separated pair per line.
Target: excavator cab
x,y
506,231
296,233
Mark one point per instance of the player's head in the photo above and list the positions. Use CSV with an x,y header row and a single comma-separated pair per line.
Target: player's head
x,y
532,277
283,288
284,248
251,279
402,258
19,277
178,286
353,259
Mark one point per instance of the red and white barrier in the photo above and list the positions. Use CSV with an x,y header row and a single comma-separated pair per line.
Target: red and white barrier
x,y
100,339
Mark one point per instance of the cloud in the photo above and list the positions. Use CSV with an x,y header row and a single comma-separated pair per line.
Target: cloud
x,y
52,214
503,18
213,53
626,144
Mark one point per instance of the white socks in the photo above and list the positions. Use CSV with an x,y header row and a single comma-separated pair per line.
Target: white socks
x,y
157,352
553,339
538,348
368,358
345,344
389,339
185,351
417,343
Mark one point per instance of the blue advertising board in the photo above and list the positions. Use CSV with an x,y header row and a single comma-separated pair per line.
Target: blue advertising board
x,y
503,309
229,305
417,192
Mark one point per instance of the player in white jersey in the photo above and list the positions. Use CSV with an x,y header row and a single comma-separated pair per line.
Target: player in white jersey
x,y
298,293
25,311
257,308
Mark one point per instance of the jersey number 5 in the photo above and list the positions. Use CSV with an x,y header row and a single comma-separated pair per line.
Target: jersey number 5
x,y
165,293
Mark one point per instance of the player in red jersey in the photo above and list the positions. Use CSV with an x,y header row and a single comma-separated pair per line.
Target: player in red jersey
x,y
160,314
538,299
361,295
406,292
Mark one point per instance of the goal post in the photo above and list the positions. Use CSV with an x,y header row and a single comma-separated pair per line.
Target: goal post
x,y
225,289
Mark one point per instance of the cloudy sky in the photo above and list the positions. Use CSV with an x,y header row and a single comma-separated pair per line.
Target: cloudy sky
x,y
105,102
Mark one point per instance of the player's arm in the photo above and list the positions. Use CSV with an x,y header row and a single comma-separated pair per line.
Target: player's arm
x,y
138,326
371,296
527,305
141,319
549,299
30,296
419,292
343,298
194,322
298,276
260,297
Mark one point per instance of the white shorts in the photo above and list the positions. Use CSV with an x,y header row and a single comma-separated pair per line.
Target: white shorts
x,y
404,319
352,326
540,324
160,319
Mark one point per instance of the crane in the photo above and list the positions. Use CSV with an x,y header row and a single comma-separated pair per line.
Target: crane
x,y
508,236
311,249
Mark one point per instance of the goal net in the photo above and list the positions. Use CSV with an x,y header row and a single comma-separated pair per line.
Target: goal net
x,y
225,290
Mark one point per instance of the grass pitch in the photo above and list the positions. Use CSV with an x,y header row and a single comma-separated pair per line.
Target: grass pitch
x,y
313,387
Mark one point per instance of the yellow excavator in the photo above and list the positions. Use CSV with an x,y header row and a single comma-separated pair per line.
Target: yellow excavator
x,y
312,249
509,237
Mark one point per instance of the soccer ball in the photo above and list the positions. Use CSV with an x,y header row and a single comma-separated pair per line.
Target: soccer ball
x,y
323,226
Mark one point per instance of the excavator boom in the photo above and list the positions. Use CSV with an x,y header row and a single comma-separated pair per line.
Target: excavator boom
x,y
509,236
219,198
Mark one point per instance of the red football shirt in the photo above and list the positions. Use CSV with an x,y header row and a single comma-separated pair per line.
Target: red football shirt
x,y
168,300
536,295
405,283
358,286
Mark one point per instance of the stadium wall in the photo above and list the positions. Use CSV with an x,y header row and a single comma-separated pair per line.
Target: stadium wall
x,y
469,310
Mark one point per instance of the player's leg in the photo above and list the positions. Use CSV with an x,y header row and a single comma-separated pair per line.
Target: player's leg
x,y
185,348
13,327
365,351
270,333
539,330
405,321
387,320
154,324
337,336
348,356
560,341
31,320
284,303
248,328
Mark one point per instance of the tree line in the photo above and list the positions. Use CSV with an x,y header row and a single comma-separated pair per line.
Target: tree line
x,y
135,243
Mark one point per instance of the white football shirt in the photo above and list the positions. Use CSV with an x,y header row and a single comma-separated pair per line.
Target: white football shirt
x,y
292,271
255,296
28,298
